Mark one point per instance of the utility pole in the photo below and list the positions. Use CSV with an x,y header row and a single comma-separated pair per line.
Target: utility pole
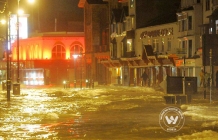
x,y
210,73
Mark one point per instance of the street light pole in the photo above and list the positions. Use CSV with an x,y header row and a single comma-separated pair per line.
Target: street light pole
x,y
18,47
74,64
18,41
210,73
74,72
184,76
8,82
81,71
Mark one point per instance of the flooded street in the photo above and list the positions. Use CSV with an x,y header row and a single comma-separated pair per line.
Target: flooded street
x,y
100,113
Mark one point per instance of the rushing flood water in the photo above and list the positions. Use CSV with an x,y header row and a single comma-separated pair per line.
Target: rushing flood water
x,y
101,113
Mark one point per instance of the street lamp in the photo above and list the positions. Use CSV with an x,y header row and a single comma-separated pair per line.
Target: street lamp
x,y
75,56
81,72
19,12
8,82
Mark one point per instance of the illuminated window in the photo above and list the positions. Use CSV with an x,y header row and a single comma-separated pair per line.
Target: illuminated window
x,y
132,3
129,45
58,52
149,42
162,45
156,45
76,49
216,26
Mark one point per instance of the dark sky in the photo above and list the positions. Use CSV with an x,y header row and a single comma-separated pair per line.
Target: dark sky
x,y
44,13
63,10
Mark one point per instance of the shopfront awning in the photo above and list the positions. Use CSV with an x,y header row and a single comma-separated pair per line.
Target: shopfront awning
x,y
106,63
137,62
116,63
131,62
111,63
166,62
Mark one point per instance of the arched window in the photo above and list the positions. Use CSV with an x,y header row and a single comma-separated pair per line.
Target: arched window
x,y
76,49
58,52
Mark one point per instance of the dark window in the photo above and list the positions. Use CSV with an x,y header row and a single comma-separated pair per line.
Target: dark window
x,y
183,25
207,5
190,22
189,48
114,51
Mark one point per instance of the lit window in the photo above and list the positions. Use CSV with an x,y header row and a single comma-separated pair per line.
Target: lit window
x,y
132,3
162,45
210,31
216,26
76,49
129,45
156,45
58,52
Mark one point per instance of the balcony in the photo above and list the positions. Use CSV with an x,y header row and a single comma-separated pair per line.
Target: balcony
x,y
181,51
186,33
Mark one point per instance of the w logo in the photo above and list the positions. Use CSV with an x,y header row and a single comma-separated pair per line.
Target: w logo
x,y
171,120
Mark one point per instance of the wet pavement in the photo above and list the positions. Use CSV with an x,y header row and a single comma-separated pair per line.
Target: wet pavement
x,y
106,112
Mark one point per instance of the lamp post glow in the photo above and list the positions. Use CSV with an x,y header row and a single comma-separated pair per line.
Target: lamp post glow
x,y
19,12
75,56
16,87
3,21
31,1
74,64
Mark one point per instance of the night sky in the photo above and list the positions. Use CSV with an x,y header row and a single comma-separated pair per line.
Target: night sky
x,y
63,10
43,14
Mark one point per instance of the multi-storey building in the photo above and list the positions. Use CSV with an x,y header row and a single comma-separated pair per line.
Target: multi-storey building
x,y
209,36
96,21
189,37
47,58
139,43
198,26
159,37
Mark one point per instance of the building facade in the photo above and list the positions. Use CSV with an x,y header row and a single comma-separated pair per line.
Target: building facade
x,y
161,38
96,21
48,58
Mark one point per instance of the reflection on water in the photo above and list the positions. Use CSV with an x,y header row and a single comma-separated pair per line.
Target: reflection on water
x,y
104,113
39,115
